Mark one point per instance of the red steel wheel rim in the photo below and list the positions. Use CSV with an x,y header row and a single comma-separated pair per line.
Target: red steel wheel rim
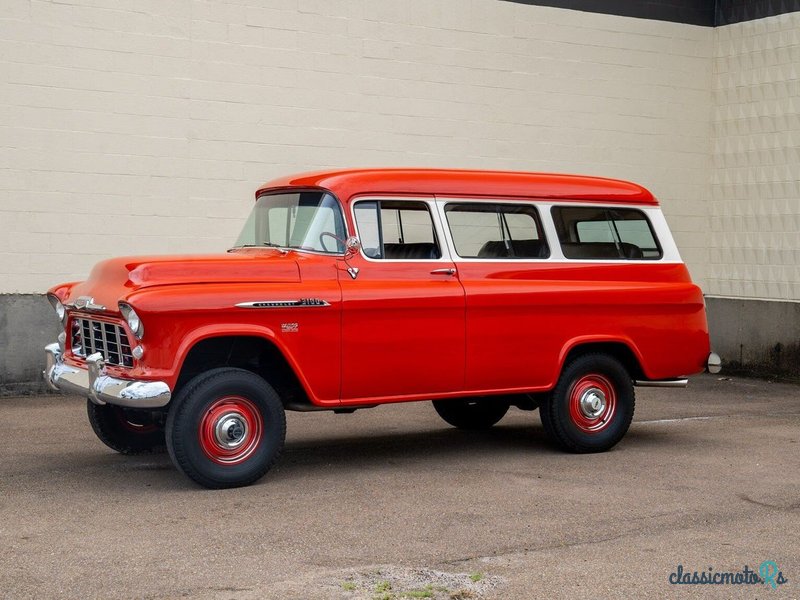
x,y
592,403
231,430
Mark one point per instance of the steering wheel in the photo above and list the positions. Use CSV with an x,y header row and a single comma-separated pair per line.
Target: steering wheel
x,y
325,234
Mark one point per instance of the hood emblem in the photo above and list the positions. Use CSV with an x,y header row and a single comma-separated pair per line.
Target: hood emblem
x,y
86,303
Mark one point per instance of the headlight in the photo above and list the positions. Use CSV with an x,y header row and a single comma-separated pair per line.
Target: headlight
x,y
61,311
133,320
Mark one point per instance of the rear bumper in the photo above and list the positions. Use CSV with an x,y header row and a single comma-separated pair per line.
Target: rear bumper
x,y
713,365
673,383
100,388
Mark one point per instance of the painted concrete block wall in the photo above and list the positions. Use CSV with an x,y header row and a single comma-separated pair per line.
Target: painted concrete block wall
x,y
27,325
754,245
145,127
756,336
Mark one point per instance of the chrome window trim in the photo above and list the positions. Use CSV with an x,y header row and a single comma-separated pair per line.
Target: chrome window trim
x,y
430,202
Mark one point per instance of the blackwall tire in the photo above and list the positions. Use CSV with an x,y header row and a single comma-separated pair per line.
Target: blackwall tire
x,y
226,428
592,405
125,431
472,413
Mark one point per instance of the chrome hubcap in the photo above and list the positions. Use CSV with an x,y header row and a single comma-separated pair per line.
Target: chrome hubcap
x,y
231,430
593,402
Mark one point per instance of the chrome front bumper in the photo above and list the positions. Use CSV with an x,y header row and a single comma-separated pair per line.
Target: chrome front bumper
x,y
100,388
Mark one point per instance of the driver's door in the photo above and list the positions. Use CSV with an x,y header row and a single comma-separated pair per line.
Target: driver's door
x,y
403,314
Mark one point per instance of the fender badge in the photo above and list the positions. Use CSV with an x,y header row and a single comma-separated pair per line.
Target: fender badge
x,y
290,327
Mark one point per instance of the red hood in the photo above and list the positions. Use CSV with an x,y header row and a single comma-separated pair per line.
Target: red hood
x,y
113,279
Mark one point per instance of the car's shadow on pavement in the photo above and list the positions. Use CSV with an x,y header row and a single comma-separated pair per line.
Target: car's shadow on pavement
x,y
416,444
344,454
431,448
341,455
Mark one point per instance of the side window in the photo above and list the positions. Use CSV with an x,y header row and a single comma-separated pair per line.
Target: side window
x,y
496,231
587,232
396,229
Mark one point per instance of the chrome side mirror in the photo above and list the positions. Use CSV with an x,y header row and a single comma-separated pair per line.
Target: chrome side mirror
x,y
352,245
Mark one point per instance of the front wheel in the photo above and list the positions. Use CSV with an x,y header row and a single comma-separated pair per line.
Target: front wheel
x,y
226,428
125,430
591,407
472,413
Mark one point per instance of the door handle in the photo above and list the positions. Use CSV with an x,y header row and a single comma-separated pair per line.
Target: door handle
x,y
443,272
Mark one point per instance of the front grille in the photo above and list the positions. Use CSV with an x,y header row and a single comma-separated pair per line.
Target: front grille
x,y
109,339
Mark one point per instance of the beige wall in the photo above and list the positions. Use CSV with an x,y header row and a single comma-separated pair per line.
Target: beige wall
x,y
145,127
754,245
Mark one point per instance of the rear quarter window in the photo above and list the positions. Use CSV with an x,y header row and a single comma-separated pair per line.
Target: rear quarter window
x,y
605,233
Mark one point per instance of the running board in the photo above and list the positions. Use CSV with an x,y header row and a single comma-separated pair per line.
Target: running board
x,y
668,383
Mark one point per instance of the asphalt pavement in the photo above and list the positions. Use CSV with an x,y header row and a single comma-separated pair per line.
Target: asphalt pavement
x,y
392,503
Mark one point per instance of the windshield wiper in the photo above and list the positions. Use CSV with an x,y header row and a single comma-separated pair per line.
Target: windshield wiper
x,y
262,244
284,249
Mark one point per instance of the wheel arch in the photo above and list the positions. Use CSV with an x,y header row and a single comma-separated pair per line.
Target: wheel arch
x,y
622,350
259,352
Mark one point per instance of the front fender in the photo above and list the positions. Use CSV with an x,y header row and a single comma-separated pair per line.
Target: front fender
x,y
200,334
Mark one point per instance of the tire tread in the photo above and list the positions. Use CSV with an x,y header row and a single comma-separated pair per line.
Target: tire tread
x,y
176,424
124,442
551,412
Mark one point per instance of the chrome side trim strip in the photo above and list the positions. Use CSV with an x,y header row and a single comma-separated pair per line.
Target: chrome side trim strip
x,y
667,383
100,388
299,303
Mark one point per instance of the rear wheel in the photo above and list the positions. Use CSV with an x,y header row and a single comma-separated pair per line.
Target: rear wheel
x,y
124,430
226,428
591,407
472,413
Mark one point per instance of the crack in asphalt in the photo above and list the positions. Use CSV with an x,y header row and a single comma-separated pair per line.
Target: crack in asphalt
x,y
656,530
711,417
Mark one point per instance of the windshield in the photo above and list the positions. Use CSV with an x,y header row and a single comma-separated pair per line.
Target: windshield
x,y
302,220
